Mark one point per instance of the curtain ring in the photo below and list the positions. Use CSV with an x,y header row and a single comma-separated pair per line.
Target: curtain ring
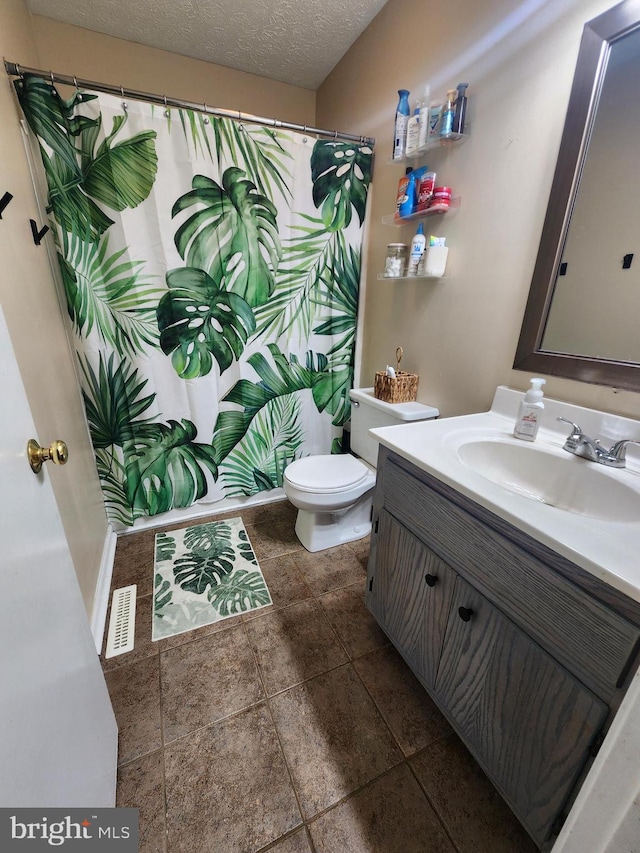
x,y
122,90
335,134
51,76
75,81
19,70
167,112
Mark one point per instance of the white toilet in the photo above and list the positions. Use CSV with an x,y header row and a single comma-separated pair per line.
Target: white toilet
x,y
334,493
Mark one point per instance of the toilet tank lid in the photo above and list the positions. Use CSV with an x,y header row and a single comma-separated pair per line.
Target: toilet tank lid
x,y
401,411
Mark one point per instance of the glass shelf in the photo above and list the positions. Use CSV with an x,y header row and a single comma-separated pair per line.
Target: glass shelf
x,y
390,218
449,141
383,277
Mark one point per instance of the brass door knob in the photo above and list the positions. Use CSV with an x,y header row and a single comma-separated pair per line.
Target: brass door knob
x,y
57,452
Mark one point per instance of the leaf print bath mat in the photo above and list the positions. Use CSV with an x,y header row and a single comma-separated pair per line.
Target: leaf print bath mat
x,y
204,574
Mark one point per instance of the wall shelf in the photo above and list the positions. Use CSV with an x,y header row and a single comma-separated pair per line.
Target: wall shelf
x,y
383,277
451,140
390,218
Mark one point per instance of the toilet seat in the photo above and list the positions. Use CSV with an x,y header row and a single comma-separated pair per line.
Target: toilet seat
x,y
327,474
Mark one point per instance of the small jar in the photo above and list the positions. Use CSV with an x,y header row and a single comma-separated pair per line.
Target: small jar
x,y
395,264
441,199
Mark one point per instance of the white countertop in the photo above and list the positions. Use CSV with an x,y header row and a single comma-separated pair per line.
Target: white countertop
x,y
608,549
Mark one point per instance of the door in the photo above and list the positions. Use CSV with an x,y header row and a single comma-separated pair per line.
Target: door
x,y
409,593
58,736
527,720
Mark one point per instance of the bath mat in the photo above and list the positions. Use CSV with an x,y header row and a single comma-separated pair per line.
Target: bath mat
x,y
205,573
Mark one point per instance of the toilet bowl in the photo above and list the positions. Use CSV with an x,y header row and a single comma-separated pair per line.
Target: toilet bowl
x,y
334,493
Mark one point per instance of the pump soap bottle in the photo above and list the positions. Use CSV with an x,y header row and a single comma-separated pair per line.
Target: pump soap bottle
x,y
530,412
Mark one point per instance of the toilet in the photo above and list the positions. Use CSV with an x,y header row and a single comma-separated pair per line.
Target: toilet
x,y
334,493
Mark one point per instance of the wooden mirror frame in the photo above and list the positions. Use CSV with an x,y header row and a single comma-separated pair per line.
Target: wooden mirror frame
x,y
597,38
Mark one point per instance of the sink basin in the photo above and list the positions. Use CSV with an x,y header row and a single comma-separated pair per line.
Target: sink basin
x,y
557,479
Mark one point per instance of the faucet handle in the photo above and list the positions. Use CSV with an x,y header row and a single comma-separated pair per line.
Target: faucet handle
x,y
576,433
618,452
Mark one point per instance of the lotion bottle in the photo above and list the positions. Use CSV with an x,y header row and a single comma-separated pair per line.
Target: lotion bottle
x,y
530,412
418,245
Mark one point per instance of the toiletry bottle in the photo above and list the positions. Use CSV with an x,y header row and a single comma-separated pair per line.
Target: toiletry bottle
x,y
423,112
403,111
413,132
530,412
418,245
408,204
446,123
460,109
435,114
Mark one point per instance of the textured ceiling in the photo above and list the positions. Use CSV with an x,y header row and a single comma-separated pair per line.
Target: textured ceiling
x,y
295,41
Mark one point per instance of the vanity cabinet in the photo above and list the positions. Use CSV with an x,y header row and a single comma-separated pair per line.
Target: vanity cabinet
x,y
523,652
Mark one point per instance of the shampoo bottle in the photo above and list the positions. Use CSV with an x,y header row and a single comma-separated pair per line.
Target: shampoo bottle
x,y
418,245
403,111
530,412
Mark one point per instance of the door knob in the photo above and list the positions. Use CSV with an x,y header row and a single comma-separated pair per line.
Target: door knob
x,y
57,452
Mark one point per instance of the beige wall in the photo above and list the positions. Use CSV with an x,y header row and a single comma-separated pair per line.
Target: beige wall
x,y
36,326
460,334
73,50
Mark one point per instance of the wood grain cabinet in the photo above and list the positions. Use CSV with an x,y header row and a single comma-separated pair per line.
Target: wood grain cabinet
x,y
526,654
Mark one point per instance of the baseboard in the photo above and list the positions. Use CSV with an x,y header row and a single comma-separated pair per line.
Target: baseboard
x,y
200,510
101,597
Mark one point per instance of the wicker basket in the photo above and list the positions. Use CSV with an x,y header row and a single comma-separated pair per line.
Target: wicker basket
x,y
403,388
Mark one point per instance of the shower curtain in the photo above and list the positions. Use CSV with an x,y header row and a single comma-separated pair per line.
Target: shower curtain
x,y
211,275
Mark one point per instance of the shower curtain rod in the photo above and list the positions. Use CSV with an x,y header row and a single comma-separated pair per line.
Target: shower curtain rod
x,y
13,69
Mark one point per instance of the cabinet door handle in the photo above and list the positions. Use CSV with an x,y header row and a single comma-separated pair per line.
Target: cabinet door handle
x,y
431,580
465,613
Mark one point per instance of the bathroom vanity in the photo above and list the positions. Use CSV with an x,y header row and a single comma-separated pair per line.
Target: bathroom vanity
x,y
527,652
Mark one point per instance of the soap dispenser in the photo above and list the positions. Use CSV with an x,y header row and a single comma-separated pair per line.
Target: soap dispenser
x,y
530,412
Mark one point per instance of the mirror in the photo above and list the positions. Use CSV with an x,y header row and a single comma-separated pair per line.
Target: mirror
x,y
582,318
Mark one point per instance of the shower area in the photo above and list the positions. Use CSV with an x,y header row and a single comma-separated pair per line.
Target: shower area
x,y
210,265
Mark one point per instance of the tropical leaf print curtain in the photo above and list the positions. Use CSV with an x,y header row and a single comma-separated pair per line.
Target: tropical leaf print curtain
x,y
211,275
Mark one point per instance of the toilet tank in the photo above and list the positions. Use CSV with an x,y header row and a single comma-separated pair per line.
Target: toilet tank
x,y
367,413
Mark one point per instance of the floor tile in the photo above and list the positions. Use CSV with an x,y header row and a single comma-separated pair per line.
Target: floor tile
x,y
228,789
135,696
391,815
272,539
330,569
141,786
477,818
133,562
410,713
206,680
360,548
351,620
294,644
333,737
286,585
298,842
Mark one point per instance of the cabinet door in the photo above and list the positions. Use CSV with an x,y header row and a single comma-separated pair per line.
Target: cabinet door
x,y
526,719
409,592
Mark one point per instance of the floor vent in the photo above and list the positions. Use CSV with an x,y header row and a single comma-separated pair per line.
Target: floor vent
x,y
122,623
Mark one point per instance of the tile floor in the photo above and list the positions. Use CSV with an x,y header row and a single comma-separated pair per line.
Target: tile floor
x,y
294,729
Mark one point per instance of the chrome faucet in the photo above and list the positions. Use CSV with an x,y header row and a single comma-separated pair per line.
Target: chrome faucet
x,y
581,445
